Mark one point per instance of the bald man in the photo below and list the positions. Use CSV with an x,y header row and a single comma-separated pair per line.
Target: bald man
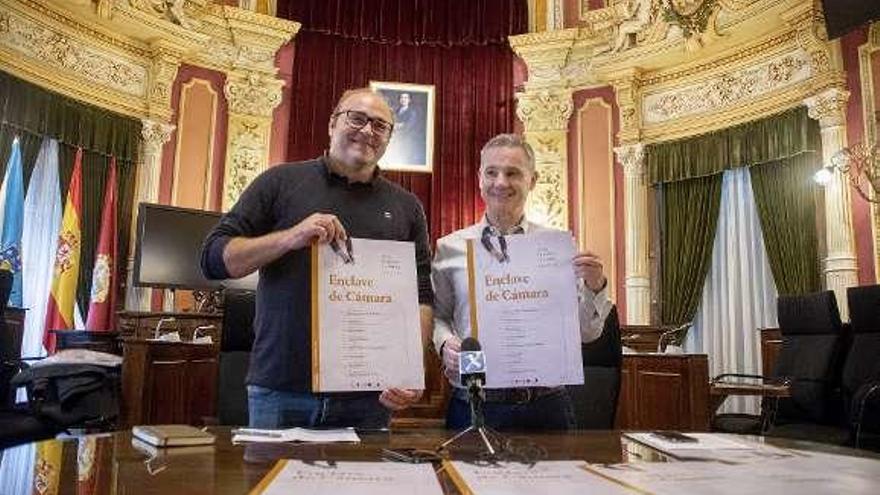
x,y
270,229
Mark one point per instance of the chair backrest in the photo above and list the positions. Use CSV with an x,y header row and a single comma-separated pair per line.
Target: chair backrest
x,y
595,402
235,350
10,345
863,359
810,354
238,320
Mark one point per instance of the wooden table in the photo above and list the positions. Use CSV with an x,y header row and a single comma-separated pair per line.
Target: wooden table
x,y
116,467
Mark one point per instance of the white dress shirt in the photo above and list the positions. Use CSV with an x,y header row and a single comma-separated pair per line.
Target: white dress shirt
x,y
449,275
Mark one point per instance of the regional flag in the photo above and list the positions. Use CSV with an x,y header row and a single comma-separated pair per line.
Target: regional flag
x,y
13,218
59,313
103,296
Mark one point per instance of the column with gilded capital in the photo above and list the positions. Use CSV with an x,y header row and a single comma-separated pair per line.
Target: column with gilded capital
x,y
154,134
545,114
635,213
841,271
252,97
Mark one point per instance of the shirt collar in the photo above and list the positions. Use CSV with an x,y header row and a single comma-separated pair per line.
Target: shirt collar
x,y
335,178
523,227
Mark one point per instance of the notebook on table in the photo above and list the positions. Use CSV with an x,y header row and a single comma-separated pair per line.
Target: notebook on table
x,y
172,435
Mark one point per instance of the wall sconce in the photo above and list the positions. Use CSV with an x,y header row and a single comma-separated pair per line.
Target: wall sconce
x,y
861,164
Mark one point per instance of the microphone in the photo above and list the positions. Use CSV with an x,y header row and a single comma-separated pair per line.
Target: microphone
x,y
472,374
471,363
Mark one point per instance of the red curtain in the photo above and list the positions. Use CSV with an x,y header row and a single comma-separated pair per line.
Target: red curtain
x,y
458,46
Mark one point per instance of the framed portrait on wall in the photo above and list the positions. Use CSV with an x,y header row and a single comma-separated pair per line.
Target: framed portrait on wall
x,y
411,148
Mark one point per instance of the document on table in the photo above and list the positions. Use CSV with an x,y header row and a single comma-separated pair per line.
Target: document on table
x,y
804,474
342,478
710,446
524,309
305,435
549,477
365,318
702,441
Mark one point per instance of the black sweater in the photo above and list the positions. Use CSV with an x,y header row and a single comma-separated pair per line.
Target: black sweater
x,y
280,198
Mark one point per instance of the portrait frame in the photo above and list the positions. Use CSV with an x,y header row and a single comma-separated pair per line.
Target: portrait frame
x,y
411,148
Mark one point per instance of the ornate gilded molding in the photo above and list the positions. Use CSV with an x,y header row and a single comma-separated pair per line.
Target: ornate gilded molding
x,y
544,110
240,39
693,17
632,159
828,107
56,48
124,54
253,93
179,12
155,134
545,53
246,156
548,202
727,89
627,88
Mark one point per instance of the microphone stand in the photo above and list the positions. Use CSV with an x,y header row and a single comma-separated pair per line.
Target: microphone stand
x,y
478,423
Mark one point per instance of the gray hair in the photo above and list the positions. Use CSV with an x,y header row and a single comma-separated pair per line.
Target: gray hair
x,y
510,141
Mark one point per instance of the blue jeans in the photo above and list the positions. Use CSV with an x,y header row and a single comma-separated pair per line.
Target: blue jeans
x,y
553,411
270,408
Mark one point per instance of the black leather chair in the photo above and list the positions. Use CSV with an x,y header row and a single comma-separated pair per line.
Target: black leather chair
x,y
235,351
860,380
17,424
813,345
10,346
595,402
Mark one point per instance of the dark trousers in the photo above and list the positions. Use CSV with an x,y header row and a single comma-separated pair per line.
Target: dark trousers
x,y
553,411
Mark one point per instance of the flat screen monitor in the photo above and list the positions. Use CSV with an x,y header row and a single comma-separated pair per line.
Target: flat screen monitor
x,y
169,244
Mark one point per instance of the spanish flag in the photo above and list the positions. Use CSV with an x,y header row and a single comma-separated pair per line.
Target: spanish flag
x,y
103,293
59,314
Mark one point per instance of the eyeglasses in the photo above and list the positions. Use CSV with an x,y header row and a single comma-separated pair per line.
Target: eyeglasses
x,y
357,120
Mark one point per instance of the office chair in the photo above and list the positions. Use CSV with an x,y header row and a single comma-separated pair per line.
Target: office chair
x,y
595,402
17,424
808,362
860,380
236,342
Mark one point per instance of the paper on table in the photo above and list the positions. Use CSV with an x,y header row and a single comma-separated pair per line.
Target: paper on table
x,y
550,477
295,435
705,441
365,318
524,310
342,478
805,474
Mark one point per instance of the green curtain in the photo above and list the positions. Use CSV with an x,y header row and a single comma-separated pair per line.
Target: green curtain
x,y
689,216
771,139
784,195
32,114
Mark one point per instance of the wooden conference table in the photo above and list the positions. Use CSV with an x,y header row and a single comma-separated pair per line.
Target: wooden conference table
x,y
110,464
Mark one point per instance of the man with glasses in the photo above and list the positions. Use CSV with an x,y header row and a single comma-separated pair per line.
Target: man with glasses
x,y
507,175
270,229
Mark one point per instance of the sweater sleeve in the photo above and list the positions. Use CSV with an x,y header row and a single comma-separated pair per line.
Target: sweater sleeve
x,y
251,216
